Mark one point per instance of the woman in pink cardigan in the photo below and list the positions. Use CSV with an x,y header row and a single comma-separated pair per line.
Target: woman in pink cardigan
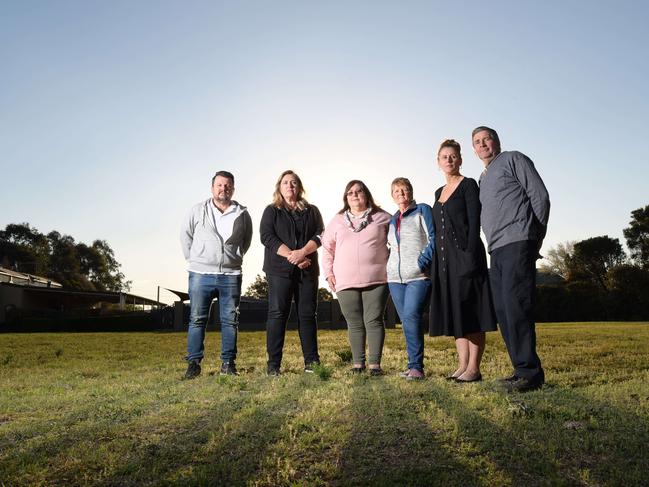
x,y
354,262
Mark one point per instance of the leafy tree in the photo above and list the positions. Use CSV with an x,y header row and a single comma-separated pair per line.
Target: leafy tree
x,y
637,236
325,295
59,257
592,258
258,289
65,263
102,267
629,296
23,248
557,260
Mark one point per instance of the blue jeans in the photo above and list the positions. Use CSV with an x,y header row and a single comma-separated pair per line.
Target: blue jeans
x,y
203,288
410,300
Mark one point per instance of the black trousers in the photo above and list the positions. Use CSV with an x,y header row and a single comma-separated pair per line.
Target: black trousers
x,y
302,288
513,286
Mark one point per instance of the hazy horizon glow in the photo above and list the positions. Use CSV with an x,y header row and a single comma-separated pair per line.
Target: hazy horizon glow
x,y
116,115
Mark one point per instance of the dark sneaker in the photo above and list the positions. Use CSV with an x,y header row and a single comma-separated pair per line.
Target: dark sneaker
x,y
308,368
376,372
193,369
523,384
228,368
272,371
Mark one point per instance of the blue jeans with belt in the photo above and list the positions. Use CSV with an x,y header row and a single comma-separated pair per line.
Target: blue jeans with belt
x,y
203,289
410,300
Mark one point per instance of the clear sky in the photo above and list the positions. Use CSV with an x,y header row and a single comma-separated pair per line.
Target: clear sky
x,y
114,115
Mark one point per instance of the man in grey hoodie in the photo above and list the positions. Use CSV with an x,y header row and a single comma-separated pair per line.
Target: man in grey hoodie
x,y
214,237
514,218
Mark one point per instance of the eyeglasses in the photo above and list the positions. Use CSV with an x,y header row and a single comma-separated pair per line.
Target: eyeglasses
x,y
355,193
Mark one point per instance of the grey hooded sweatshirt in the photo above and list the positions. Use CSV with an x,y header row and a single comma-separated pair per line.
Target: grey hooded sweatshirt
x,y
210,251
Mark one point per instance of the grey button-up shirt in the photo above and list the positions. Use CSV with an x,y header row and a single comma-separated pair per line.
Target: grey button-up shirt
x,y
515,202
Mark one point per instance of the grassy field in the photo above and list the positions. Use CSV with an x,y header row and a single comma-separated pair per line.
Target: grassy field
x,y
110,409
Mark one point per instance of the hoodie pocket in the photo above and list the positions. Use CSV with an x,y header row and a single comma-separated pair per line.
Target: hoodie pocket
x,y
206,247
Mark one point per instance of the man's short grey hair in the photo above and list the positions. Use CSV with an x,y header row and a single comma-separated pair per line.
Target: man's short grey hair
x,y
223,174
492,133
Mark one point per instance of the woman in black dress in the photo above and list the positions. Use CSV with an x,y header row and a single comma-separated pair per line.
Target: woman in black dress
x,y
460,301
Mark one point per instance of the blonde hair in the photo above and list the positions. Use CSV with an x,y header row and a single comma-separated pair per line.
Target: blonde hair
x,y
278,199
402,182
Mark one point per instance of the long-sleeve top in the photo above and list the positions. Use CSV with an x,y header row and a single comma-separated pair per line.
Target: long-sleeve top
x,y
515,202
294,229
214,242
411,238
356,259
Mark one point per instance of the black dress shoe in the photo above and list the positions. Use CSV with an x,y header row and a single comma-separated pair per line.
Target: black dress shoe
x,y
476,378
523,384
509,378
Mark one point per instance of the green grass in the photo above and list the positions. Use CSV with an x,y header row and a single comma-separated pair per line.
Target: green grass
x,y
109,409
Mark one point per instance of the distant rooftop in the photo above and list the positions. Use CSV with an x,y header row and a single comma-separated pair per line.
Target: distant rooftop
x,y
23,279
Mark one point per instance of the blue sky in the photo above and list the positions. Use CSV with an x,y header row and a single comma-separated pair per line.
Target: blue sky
x,y
115,115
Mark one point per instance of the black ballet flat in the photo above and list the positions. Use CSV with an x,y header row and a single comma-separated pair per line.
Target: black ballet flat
x,y
477,378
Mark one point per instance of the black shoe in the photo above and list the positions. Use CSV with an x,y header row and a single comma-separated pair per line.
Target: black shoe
x,y
357,370
193,369
508,379
228,368
376,372
523,384
476,378
272,371
308,368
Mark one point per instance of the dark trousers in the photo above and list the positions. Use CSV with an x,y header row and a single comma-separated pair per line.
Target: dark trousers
x,y
302,288
513,286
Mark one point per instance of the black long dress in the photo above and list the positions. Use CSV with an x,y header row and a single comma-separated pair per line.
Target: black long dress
x,y
460,300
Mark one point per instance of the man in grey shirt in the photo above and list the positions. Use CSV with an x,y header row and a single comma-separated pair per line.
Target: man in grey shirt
x,y
514,218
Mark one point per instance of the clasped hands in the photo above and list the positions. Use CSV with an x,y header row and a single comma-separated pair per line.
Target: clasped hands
x,y
298,257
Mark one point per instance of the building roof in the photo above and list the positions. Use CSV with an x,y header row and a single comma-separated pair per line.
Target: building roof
x,y
84,297
24,279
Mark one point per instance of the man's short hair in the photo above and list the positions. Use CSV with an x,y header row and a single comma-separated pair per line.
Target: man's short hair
x,y
224,174
492,133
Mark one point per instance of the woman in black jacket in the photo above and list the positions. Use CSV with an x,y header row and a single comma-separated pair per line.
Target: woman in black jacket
x,y
290,231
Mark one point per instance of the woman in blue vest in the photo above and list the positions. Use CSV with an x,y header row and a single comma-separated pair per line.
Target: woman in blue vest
x,y
412,240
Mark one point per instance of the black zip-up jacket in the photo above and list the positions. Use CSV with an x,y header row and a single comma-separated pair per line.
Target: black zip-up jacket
x,y
277,227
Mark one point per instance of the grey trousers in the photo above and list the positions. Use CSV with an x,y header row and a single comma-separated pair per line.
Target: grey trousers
x,y
363,309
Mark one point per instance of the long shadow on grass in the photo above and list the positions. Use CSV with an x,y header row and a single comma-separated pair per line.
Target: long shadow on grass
x,y
554,436
223,445
390,444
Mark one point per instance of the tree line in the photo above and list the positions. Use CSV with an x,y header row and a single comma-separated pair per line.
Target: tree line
x,y
58,257
590,280
595,279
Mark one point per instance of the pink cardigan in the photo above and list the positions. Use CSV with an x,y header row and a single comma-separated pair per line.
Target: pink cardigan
x,y
356,260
